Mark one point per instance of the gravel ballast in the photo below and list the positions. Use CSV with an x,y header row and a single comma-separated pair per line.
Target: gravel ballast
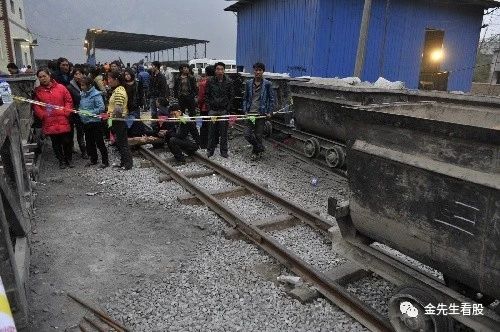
x,y
311,246
221,288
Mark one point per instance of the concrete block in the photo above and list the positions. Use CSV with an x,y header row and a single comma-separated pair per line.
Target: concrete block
x,y
146,164
232,234
347,273
304,294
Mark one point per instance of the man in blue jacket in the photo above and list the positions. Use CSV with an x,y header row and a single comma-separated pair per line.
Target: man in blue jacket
x,y
258,100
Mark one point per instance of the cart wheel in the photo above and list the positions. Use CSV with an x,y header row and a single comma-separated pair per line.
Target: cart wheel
x,y
311,147
335,157
414,300
268,129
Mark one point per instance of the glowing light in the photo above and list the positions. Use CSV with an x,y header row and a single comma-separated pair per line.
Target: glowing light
x,y
437,55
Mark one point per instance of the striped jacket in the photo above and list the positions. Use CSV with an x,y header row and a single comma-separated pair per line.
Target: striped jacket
x,y
118,99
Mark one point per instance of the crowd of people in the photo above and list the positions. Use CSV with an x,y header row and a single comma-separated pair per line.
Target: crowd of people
x,y
109,100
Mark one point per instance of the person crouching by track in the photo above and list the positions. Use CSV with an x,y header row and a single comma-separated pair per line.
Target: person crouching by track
x,y
219,97
182,138
258,100
117,108
55,122
166,128
91,101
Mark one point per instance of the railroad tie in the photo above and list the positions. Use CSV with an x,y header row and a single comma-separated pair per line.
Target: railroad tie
x,y
279,222
189,175
347,273
231,192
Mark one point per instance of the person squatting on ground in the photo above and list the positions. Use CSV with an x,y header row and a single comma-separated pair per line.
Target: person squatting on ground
x,y
165,128
182,138
117,108
55,122
76,123
219,97
258,100
186,90
202,105
91,101
157,87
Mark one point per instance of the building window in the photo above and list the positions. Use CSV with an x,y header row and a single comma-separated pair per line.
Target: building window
x,y
20,13
12,9
26,59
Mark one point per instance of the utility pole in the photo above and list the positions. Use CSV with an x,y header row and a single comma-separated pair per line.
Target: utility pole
x,y
363,35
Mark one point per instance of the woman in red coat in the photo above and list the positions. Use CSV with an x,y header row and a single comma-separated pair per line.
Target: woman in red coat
x,y
55,122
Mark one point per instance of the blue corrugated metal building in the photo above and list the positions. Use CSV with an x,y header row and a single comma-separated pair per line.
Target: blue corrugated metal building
x,y
320,37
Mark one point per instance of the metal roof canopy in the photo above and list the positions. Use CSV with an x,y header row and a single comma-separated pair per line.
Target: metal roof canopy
x,y
135,42
481,3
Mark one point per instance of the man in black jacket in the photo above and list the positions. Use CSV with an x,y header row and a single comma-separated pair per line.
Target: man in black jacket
x,y
182,139
219,97
157,87
186,89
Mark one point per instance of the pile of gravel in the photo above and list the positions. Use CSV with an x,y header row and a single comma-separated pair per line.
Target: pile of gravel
x,y
309,245
375,291
221,291
213,182
252,207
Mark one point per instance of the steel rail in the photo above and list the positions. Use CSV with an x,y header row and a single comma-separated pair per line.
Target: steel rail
x,y
364,314
488,321
307,216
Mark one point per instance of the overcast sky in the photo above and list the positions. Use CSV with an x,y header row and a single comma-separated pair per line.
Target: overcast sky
x,y
60,25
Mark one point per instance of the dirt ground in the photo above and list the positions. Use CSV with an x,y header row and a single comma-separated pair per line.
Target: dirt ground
x,y
92,246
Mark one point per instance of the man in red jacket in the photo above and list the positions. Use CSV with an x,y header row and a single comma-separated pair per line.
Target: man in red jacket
x,y
55,121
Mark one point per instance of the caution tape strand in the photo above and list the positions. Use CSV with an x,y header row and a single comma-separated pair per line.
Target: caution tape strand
x,y
182,119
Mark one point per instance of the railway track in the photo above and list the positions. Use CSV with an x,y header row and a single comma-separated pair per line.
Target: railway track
x,y
254,231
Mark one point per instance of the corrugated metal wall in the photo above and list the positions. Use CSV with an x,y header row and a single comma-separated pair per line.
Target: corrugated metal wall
x,y
396,40
337,37
320,37
279,33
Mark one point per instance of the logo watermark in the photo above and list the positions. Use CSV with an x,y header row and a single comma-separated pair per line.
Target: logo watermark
x,y
442,309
